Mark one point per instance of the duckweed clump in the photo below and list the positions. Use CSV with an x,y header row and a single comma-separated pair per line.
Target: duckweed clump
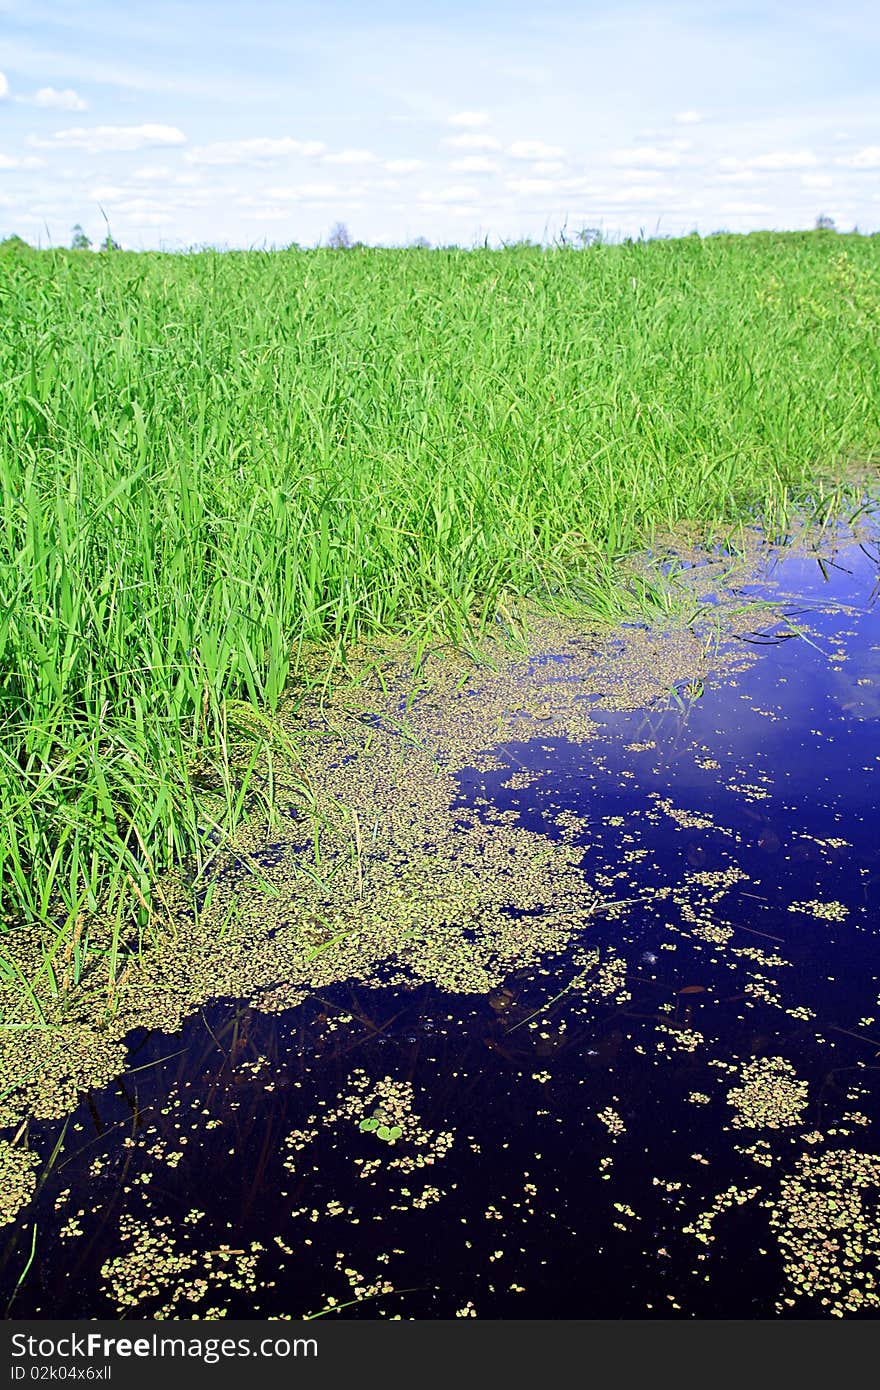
x,y
823,912
770,1095
18,1179
827,1222
156,1265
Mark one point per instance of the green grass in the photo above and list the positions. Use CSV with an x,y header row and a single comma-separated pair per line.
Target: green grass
x,y
210,462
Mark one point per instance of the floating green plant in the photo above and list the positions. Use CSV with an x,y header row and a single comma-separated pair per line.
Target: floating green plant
x,y
389,1133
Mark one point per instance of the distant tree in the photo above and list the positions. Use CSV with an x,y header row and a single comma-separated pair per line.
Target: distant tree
x,y
824,223
420,243
339,238
79,241
589,236
14,243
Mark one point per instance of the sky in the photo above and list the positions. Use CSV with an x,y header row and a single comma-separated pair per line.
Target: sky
x,y
180,124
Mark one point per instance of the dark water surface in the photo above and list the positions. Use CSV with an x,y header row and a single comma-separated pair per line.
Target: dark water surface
x,y
683,1125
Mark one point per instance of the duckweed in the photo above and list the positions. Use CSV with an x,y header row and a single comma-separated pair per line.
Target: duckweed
x,y
17,1179
770,1095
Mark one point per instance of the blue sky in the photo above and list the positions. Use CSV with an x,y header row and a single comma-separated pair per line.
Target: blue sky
x,y
266,123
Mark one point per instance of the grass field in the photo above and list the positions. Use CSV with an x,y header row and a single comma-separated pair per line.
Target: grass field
x,y
212,462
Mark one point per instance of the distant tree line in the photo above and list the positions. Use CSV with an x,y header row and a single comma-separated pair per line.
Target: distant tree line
x,y
340,239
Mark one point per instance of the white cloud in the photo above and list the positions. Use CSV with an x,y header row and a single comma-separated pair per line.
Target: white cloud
x,y
255,151
776,161
351,157
735,175
534,149
688,117
471,119
781,160
14,161
647,157
108,193
744,209
4,85
474,164
866,158
547,166
403,166
266,212
523,72
102,139
448,209
458,193
641,193
528,186
147,208
318,190
816,180
645,175
63,99
303,192
578,183
150,173
474,142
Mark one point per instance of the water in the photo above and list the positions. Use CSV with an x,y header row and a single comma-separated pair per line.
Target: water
x,y
675,1116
